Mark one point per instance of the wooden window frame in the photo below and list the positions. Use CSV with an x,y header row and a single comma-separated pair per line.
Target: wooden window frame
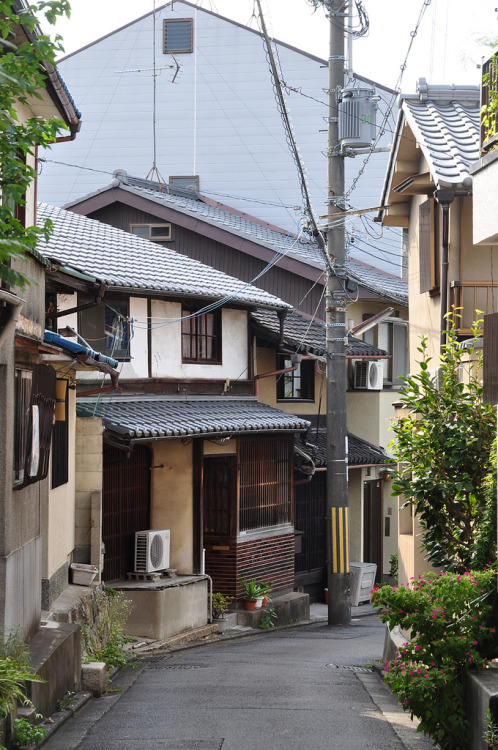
x,y
265,477
60,448
304,374
168,21
194,331
229,527
92,326
429,255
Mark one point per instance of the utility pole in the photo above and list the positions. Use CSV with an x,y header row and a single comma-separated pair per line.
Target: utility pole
x,y
337,520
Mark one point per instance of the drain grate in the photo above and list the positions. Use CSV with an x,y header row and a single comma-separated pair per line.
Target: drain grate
x,y
351,667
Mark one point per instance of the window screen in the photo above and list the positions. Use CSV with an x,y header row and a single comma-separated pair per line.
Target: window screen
x,y
178,35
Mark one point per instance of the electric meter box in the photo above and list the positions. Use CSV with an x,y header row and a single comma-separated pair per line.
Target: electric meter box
x,y
357,112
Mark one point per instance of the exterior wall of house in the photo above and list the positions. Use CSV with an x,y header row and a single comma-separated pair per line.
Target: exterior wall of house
x,y
88,483
266,361
58,519
355,497
379,407
219,115
172,503
20,540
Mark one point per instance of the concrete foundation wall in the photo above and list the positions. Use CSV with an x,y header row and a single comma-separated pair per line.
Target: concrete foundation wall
x,y
20,589
53,587
163,612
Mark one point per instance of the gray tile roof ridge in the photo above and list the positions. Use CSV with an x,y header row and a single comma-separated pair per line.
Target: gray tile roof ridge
x,y
126,261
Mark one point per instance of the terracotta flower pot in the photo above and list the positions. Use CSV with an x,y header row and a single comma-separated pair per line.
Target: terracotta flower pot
x,y
250,604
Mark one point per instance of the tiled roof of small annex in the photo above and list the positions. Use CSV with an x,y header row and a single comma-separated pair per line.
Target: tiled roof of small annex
x,y
308,336
360,452
123,260
445,120
153,417
192,204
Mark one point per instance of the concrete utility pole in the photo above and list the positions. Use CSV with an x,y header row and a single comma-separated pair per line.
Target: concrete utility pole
x,y
339,602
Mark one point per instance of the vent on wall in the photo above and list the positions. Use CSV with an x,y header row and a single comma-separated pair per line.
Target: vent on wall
x,y
151,550
368,376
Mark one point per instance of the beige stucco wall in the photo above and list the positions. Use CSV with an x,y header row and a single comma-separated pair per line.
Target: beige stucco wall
x,y
266,361
369,415
88,476
172,499
58,506
355,499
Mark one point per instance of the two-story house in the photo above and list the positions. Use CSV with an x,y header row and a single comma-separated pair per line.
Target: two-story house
x,y
291,267
428,192
187,447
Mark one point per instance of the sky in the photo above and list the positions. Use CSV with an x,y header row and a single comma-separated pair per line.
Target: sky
x,y
444,51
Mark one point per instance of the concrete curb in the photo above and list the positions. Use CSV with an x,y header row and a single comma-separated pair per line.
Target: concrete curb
x,y
60,717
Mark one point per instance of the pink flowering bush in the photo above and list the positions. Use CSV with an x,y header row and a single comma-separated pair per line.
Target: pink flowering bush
x,y
451,620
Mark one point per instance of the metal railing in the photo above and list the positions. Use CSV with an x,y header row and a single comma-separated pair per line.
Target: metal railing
x,y
470,296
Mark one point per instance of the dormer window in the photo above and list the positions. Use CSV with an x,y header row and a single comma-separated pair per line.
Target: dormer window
x,y
154,232
178,36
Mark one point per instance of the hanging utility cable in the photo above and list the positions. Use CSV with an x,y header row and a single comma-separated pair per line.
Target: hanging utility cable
x,y
290,135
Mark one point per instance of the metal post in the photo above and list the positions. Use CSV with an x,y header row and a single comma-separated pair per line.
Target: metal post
x,y
339,603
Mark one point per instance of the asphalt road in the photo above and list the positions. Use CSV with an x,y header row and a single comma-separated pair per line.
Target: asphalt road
x,y
304,687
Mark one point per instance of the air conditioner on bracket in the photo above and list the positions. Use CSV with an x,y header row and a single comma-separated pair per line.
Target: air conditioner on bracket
x,y
368,375
151,550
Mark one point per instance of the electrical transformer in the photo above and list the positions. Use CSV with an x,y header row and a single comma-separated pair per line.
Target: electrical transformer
x,y
357,108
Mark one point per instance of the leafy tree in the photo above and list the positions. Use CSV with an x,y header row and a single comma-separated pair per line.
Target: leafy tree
x,y
22,77
443,446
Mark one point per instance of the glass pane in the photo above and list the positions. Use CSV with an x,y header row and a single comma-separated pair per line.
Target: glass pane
x,y
140,231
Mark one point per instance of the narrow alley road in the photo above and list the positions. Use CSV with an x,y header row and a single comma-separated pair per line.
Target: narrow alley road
x,y
305,687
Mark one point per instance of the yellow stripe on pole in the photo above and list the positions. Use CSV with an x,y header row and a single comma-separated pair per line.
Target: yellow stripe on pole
x,y
334,541
346,534
341,541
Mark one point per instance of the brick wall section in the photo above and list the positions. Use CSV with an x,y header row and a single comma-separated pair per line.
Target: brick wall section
x,y
268,559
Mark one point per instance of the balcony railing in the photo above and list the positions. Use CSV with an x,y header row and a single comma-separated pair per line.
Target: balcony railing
x,y
489,109
469,296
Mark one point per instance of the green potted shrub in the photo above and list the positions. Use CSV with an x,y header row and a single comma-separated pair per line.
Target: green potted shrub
x,y
265,589
219,604
251,591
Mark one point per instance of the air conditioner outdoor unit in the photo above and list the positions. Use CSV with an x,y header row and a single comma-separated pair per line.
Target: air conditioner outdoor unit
x,y
151,550
368,375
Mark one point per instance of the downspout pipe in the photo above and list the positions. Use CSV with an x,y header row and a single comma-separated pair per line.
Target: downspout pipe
x,y
444,198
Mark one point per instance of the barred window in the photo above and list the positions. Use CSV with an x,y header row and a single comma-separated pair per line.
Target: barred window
x,y
266,490
201,336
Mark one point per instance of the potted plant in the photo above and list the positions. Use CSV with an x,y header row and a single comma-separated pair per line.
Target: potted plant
x,y
219,604
251,591
265,589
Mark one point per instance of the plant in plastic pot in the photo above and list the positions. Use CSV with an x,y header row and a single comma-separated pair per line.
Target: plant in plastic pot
x,y
252,592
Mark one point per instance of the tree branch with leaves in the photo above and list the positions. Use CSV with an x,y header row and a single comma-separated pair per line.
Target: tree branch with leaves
x,y
443,447
24,54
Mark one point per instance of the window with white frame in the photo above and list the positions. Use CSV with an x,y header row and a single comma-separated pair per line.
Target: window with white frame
x,y
154,232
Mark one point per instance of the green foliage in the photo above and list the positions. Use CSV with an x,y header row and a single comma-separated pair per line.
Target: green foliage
x,y
250,588
13,647
13,678
268,618
394,567
26,733
220,604
443,446
253,589
490,734
22,77
65,703
451,618
103,635
484,552
489,111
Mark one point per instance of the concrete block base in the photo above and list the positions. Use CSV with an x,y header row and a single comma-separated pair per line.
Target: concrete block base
x,y
163,609
93,677
56,657
289,608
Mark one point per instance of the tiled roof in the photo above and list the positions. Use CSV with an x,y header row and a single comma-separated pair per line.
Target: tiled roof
x,y
245,226
308,336
448,133
152,417
360,452
123,260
